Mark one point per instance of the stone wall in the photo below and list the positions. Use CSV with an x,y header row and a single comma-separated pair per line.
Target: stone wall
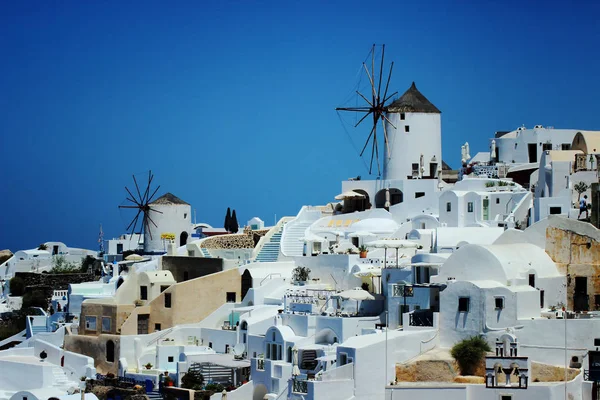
x,y
54,281
95,347
575,248
186,268
243,241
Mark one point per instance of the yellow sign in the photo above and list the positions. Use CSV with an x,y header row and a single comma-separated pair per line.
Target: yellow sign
x,y
167,236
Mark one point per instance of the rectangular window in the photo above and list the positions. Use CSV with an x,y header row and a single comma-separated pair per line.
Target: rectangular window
x,y
105,324
171,359
157,327
532,280
565,146
90,323
163,288
541,299
448,207
463,304
406,128
144,292
470,207
547,146
343,359
497,200
419,194
167,300
506,397
415,167
402,116
555,210
230,297
499,303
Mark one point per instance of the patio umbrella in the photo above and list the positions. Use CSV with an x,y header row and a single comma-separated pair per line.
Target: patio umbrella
x,y
295,369
387,198
355,294
224,395
134,257
350,194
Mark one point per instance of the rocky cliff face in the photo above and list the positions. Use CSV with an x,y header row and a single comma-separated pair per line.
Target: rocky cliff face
x,y
5,255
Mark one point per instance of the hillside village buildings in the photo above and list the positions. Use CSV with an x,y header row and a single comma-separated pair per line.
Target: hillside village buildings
x,y
337,301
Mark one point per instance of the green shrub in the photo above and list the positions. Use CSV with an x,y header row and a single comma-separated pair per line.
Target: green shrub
x,y
35,299
192,380
469,353
214,387
17,286
60,265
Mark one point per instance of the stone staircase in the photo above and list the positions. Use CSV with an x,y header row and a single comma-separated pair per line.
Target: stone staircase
x,y
205,252
270,250
294,231
60,378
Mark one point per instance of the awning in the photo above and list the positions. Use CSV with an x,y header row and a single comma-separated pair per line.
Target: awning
x,y
361,234
365,271
351,194
355,294
393,244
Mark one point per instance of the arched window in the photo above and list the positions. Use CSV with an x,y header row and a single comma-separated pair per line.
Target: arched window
x,y
110,351
244,326
396,197
289,354
183,238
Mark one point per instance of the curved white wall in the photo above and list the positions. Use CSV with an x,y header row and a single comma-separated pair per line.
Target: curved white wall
x,y
405,148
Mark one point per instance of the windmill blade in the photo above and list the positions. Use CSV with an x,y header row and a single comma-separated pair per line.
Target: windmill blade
x,y
361,95
370,79
390,122
129,207
150,179
362,119
130,199
390,96
367,142
372,153
381,70
385,137
134,222
377,154
150,198
155,210
356,109
132,196
137,187
387,85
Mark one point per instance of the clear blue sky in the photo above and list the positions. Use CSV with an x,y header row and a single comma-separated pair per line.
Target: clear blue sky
x,y
232,103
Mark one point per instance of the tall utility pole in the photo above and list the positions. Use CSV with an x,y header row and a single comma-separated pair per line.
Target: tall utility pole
x,y
387,323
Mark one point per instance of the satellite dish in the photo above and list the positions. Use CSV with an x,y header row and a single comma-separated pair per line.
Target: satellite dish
x,y
238,349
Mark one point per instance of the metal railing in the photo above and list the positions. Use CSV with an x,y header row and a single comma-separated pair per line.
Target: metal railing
x,y
299,386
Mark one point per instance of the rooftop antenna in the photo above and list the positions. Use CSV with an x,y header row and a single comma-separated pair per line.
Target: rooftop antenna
x,y
101,240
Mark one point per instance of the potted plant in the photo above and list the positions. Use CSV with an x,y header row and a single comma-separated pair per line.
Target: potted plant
x,y
363,251
169,381
148,366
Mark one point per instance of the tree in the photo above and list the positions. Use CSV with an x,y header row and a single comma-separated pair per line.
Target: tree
x,y
192,380
234,223
227,224
17,286
580,188
300,274
43,246
469,353
35,299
